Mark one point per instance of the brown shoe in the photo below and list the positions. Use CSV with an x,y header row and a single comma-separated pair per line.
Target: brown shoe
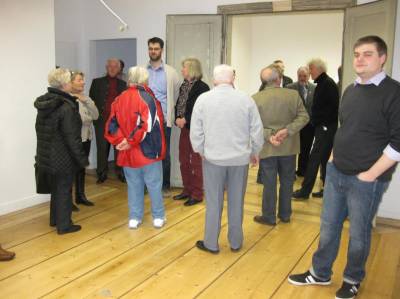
x,y
6,255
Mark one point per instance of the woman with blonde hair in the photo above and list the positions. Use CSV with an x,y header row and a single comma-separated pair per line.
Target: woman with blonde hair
x,y
89,113
191,163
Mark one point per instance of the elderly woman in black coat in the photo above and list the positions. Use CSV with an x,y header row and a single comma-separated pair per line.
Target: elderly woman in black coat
x,y
59,152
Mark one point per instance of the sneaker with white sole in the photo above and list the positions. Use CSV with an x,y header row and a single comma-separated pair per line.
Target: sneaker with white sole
x,y
159,222
307,279
347,291
134,223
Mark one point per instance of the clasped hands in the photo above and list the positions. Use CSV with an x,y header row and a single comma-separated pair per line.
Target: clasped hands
x,y
277,138
180,122
123,145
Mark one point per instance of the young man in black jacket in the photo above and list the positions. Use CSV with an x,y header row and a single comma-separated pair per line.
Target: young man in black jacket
x,y
364,157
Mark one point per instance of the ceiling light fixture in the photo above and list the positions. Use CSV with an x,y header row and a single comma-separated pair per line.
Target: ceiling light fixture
x,y
124,25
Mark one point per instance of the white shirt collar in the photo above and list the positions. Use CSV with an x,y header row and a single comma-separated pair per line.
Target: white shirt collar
x,y
376,80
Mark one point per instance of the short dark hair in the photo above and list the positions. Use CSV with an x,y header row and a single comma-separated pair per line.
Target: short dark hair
x,y
380,44
156,40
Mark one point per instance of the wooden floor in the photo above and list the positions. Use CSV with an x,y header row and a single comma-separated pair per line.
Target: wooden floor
x,y
107,260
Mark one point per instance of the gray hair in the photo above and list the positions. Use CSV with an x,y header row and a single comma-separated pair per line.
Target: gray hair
x,y
223,73
114,60
138,75
303,69
271,78
57,78
319,64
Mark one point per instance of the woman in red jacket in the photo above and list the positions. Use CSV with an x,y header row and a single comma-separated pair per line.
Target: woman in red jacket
x,y
135,127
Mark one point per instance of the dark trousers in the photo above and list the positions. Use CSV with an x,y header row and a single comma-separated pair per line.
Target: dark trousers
x,y
191,167
103,150
306,140
272,167
166,163
80,175
61,200
320,152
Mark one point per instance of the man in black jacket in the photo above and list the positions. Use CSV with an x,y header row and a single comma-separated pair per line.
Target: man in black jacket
x,y
59,152
324,118
103,92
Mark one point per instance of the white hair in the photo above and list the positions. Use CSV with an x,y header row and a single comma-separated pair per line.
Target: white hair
x,y
223,73
138,75
319,64
57,78
303,69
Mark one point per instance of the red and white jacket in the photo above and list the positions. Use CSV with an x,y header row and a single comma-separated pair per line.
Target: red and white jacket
x,y
137,116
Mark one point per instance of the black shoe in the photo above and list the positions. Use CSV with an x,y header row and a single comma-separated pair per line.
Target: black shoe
x,y
101,179
52,224
261,219
73,228
300,173
347,291
192,201
300,195
284,220
200,245
121,178
181,196
84,201
74,208
318,194
307,279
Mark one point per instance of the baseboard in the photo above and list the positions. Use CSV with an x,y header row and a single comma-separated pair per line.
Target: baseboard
x,y
392,214
23,203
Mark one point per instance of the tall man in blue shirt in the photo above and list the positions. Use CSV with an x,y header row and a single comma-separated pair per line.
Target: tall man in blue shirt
x,y
165,83
365,152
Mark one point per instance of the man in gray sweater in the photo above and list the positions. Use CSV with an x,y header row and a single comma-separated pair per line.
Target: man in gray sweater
x,y
226,130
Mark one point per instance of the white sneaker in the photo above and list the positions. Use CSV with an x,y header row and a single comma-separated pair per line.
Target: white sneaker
x,y
134,223
159,222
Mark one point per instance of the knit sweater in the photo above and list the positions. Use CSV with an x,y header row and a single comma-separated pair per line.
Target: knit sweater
x,y
370,120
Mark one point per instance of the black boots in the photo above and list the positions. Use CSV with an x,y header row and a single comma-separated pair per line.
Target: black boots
x,y
80,197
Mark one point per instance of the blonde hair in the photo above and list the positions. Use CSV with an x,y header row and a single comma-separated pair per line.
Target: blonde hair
x,y
194,67
319,64
138,75
75,74
59,77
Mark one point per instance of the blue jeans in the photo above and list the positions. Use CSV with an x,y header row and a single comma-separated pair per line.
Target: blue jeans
x,y
151,175
346,196
271,167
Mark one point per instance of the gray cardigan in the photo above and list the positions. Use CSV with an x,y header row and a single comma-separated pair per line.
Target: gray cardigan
x,y
89,113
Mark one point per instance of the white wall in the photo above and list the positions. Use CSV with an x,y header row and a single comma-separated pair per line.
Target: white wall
x,y
148,19
292,37
27,51
390,206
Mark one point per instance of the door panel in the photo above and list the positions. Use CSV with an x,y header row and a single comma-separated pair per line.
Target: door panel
x,y
198,36
377,18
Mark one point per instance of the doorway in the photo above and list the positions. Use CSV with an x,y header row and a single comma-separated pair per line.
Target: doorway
x,y
101,50
294,37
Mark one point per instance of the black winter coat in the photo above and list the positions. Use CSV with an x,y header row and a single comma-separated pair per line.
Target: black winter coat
x,y
197,89
58,129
